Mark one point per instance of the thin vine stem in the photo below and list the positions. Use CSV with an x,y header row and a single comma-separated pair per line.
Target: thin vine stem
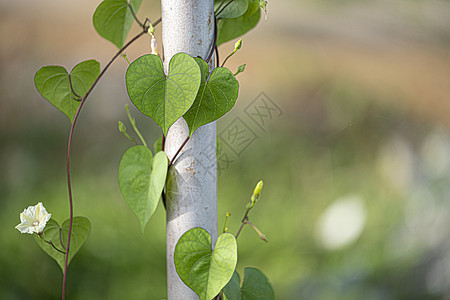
x,y
217,57
178,151
69,147
243,223
228,58
71,88
134,15
213,44
224,8
133,124
41,235
221,3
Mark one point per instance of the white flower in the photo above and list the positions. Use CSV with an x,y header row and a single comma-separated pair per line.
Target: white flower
x,y
33,219
154,45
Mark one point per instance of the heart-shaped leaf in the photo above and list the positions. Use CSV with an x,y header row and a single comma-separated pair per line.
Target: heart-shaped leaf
x,y
202,269
164,99
80,232
256,286
232,290
113,20
53,84
229,29
141,180
233,10
216,96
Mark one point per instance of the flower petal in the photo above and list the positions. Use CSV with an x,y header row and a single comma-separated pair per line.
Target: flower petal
x,y
31,216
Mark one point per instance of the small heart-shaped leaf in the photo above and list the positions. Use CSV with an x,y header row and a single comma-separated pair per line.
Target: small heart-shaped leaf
x,y
256,286
80,232
141,180
202,269
53,84
113,20
216,96
229,29
164,99
235,9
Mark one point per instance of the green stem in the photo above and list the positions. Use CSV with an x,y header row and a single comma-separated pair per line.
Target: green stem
x,y
244,219
261,235
231,54
133,123
225,229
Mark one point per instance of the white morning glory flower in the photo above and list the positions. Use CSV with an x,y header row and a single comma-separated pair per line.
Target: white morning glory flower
x,y
33,219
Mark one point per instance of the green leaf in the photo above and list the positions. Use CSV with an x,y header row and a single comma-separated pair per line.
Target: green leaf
x,y
216,96
157,145
235,9
80,232
229,29
53,84
204,270
113,20
141,180
253,6
164,99
232,290
83,76
256,286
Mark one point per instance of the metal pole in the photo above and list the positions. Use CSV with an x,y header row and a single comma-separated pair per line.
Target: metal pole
x,y
188,26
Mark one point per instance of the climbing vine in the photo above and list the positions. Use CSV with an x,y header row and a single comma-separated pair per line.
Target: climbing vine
x,y
189,90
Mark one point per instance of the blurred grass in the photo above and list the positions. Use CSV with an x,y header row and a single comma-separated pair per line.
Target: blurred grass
x,y
363,87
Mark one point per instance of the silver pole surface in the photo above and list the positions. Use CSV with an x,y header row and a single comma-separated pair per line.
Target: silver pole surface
x,y
188,26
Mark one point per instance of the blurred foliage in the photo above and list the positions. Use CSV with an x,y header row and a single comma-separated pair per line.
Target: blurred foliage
x,y
303,173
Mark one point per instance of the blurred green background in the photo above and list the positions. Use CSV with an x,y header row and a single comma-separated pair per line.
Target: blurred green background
x,y
355,158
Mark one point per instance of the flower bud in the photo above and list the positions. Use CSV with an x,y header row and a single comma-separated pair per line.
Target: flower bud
x,y
238,45
122,127
258,189
154,45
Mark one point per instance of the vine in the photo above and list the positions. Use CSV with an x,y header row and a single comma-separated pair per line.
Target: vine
x,y
189,90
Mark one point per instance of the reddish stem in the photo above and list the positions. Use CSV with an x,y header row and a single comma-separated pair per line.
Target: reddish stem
x,y
178,151
69,145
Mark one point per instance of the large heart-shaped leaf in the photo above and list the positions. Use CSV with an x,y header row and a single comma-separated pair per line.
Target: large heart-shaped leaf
x,y
256,286
80,232
53,84
216,96
141,180
229,29
162,98
204,270
233,10
113,20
